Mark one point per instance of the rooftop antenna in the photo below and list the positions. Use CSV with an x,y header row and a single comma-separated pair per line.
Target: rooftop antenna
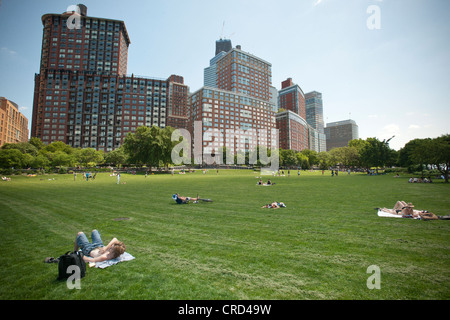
x,y
223,26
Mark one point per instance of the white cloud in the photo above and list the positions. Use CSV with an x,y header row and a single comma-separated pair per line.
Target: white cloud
x,y
317,2
388,131
414,126
7,51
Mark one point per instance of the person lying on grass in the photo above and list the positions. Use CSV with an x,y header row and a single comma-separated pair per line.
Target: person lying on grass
x,y
406,210
96,251
275,205
183,200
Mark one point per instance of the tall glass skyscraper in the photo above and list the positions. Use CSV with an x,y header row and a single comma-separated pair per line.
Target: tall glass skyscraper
x,y
314,110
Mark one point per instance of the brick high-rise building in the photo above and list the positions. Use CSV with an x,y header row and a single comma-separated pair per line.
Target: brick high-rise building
x,y
292,98
252,119
296,132
242,72
237,97
13,124
293,131
83,96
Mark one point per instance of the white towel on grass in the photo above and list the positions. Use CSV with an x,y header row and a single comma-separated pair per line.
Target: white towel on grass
x,y
123,257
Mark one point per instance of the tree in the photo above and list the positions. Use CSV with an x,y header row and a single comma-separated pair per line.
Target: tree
x,y
24,147
303,160
405,155
167,145
324,159
11,158
421,153
149,146
57,146
40,161
376,153
116,157
288,158
311,155
440,154
345,156
359,145
88,155
36,142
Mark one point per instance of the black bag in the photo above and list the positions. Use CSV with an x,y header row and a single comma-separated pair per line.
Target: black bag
x,y
70,259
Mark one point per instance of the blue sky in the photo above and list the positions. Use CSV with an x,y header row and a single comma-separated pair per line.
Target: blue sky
x,y
391,81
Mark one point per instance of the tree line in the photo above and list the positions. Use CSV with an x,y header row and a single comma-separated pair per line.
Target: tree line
x,y
152,147
417,155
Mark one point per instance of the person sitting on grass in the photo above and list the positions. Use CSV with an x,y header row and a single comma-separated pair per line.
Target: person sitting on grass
x,y
274,205
96,251
183,200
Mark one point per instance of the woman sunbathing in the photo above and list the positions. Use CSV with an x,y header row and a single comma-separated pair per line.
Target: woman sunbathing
x,y
274,205
406,210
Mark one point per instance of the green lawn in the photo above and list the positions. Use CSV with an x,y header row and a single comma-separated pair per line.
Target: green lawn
x,y
319,247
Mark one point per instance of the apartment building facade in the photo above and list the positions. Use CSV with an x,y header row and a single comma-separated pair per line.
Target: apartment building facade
x,y
340,133
83,95
13,124
241,72
238,101
238,121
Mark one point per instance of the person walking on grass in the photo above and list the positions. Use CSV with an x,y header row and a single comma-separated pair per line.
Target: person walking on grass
x,y
118,177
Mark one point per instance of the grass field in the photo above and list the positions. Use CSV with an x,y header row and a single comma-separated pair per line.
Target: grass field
x,y
319,247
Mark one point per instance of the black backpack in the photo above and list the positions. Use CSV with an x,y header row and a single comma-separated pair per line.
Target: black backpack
x,y
69,259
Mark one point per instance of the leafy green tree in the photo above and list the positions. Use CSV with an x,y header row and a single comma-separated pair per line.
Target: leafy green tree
x,y
288,158
40,161
148,146
57,146
405,155
36,142
11,158
303,160
24,147
116,157
60,159
376,153
359,145
324,159
88,155
441,154
311,155
167,145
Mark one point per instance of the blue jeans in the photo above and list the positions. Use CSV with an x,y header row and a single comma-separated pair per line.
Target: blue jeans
x,y
84,244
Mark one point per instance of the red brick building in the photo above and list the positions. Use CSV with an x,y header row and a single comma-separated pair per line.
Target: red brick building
x,y
292,98
83,96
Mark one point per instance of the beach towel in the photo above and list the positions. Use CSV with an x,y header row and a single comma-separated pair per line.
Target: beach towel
x,y
123,257
390,215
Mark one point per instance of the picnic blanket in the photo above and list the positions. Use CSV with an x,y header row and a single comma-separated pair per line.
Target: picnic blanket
x,y
123,257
